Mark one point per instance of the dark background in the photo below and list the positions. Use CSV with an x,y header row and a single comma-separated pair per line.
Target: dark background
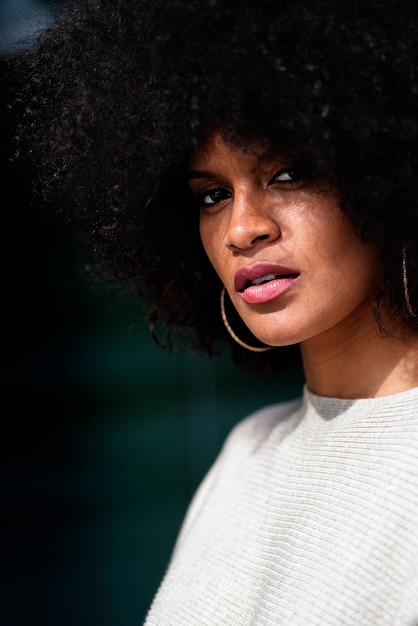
x,y
104,436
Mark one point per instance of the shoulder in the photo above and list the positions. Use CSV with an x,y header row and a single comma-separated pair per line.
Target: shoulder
x,y
245,439
248,437
249,434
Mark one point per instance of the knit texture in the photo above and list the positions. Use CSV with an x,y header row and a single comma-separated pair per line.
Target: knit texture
x,y
309,516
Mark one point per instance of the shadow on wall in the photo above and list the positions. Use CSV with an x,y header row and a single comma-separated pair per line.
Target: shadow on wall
x,y
105,436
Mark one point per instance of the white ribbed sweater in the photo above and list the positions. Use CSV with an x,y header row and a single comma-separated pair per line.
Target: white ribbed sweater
x,y
308,517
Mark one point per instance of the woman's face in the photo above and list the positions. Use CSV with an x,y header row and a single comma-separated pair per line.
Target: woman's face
x,y
288,257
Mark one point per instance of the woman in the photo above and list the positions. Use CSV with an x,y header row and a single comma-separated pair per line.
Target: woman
x,y
283,137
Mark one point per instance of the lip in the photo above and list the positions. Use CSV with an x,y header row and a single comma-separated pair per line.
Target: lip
x,y
264,292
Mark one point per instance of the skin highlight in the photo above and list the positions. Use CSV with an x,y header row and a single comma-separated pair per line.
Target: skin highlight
x,y
257,209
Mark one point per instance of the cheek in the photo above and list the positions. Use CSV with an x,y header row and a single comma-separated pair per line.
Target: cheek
x,y
338,248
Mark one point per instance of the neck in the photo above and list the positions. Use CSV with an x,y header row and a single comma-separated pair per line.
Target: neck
x,y
358,362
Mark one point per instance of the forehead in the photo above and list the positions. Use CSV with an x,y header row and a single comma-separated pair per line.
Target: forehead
x,y
217,150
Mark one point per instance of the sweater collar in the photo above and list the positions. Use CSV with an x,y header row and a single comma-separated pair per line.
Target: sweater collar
x,y
330,408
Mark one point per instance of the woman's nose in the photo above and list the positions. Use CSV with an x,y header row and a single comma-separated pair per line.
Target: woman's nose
x,y
250,222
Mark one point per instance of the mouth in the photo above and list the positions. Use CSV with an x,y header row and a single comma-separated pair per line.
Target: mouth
x,y
260,274
263,282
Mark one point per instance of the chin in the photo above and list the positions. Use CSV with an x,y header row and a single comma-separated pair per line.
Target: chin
x,y
277,334
277,340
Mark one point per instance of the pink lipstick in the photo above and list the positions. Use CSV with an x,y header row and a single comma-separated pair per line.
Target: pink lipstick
x,y
263,282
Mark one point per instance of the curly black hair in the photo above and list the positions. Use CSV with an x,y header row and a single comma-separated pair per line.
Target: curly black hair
x,y
117,94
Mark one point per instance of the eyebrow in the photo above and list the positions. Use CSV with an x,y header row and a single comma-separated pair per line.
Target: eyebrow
x,y
192,174
200,174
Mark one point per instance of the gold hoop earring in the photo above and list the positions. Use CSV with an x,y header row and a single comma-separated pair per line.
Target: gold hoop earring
x,y
405,284
232,333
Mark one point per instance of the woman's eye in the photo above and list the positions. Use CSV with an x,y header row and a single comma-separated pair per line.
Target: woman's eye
x,y
211,197
290,175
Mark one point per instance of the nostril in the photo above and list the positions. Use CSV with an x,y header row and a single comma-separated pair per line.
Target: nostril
x,y
259,238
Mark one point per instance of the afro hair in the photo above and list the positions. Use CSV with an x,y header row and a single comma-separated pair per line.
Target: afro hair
x,y
117,94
